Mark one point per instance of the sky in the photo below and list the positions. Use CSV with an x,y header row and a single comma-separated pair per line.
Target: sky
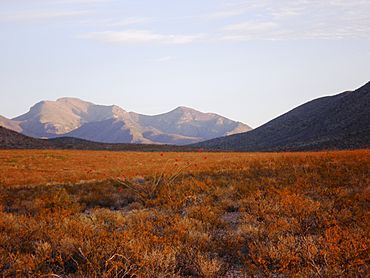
x,y
247,60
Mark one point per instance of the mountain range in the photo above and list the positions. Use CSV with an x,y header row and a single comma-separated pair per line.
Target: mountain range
x,y
72,117
335,122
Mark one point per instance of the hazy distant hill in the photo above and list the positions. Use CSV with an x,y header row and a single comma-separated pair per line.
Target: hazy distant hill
x,y
10,124
335,122
111,124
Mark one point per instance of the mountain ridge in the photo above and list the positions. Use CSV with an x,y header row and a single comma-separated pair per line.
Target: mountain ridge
x,y
73,117
341,121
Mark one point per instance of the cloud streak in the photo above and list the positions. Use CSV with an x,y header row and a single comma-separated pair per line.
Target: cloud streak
x,y
297,20
129,21
163,59
251,27
140,37
39,15
238,22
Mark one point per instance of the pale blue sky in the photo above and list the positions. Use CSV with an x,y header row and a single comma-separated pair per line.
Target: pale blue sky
x,y
248,60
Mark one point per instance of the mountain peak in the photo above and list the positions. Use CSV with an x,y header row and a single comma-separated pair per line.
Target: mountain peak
x,y
71,100
183,109
68,116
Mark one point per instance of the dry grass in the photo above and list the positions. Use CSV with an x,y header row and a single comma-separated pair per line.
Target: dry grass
x,y
32,167
204,215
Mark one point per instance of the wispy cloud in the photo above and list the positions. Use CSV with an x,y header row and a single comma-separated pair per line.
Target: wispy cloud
x,y
251,26
302,19
163,59
129,21
140,36
114,23
229,10
39,15
243,20
250,30
222,14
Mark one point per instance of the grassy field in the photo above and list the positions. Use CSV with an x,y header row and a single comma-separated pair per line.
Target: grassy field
x,y
32,167
111,214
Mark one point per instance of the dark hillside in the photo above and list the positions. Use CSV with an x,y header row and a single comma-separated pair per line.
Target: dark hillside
x,y
335,122
13,140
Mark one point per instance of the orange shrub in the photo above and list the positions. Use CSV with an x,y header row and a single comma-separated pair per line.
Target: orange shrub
x,y
233,215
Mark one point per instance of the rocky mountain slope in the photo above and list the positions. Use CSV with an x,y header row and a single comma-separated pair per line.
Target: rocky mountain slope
x,y
111,124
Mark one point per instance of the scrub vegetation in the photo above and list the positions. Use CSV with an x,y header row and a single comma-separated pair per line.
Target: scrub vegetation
x,y
106,214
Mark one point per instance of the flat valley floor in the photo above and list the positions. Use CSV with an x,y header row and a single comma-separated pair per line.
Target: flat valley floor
x,y
123,214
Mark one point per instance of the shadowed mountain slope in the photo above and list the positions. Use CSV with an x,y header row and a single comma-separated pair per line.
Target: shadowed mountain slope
x,y
10,139
335,122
